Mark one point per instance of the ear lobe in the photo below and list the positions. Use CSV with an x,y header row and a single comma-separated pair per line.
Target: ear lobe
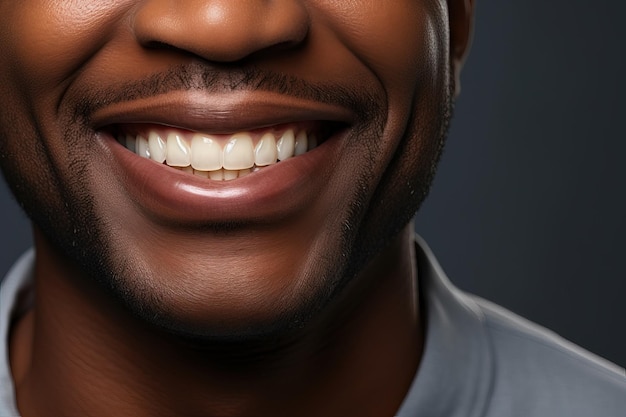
x,y
461,18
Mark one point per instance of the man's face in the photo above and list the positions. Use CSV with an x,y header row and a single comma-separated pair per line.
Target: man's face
x,y
365,83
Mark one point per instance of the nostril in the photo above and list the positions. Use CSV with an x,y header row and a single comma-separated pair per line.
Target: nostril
x,y
222,30
277,49
159,45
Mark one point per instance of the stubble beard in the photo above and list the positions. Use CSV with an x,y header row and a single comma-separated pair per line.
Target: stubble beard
x,y
81,234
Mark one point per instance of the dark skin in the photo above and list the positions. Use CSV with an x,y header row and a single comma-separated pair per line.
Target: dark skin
x,y
220,300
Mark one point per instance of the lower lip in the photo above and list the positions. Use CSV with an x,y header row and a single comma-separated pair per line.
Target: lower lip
x,y
272,193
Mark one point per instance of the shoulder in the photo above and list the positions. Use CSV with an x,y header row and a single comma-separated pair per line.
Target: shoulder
x,y
538,373
16,295
481,360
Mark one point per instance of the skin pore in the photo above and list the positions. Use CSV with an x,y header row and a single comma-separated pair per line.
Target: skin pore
x,y
291,291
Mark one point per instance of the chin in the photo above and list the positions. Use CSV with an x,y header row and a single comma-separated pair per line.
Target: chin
x,y
216,299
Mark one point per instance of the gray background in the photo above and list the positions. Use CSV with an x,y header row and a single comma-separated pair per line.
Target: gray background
x,y
528,206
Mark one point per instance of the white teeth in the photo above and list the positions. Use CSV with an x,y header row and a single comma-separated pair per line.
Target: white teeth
x,y
229,174
143,148
206,153
285,145
202,154
302,144
157,147
265,151
239,152
217,175
220,174
178,152
204,174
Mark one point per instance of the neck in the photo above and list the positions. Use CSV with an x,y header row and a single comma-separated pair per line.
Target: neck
x,y
88,355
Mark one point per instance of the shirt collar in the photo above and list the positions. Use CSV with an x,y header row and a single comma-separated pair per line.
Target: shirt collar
x,y
16,293
455,375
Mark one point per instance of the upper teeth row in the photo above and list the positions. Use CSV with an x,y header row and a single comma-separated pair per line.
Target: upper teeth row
x,y
204,152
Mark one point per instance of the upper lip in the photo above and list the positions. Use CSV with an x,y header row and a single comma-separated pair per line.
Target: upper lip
x,y
219,112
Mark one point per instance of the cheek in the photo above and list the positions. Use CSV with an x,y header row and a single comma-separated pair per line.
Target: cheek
x,y
403,44
393,38
44,42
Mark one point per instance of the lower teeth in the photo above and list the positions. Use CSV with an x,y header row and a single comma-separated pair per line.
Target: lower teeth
x,y
220,174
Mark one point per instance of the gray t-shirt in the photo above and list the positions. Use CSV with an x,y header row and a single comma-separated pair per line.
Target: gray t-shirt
x,y
479,360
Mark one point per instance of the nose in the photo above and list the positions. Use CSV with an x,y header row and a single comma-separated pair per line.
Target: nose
x,y
221,30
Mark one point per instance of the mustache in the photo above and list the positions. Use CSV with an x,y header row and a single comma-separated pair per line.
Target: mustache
x,y
212,79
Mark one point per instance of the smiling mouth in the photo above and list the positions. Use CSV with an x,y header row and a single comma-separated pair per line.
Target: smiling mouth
x,y
223,157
